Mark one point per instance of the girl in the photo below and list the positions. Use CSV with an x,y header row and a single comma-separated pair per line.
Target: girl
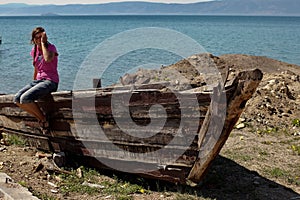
x,y
45,76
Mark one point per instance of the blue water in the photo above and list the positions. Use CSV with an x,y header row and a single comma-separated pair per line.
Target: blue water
x,y
76,36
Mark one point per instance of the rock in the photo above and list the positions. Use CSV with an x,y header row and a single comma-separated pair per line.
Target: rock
x,y
240,126
23,163
79,173
295,78
59,159
242,120
57,178
143,80
93,185
273,82
285,114
256,183
297,133
42,155
128,79
2,148
52,184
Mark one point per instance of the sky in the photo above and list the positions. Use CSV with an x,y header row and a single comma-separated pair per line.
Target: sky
x,y
63,2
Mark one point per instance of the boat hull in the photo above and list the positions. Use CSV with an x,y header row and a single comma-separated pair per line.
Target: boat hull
x,y
148,130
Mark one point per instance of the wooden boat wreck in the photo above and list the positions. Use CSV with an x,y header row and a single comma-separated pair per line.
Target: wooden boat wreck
x,y
196,124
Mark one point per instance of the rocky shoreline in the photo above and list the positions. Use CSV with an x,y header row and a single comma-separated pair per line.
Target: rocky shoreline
x,y
275,104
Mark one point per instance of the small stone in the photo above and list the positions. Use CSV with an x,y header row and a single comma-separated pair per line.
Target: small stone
x,y
54,191
79,173
240,126
2,148
267,87
272,82
297,133
42,155
242,119
23,163
256,183
93,185
52,184
59,159
57,178
295,78
285,114
267,99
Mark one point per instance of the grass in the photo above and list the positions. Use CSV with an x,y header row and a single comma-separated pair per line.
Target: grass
x,y
14,140
277,172
268,130
186,197
44,196
263,153
284,175
232,154
296,122
122,190
72,183
116,188
23,183
294,180
296,149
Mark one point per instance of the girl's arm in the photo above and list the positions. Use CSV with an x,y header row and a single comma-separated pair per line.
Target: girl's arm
x,y
34,74
48,55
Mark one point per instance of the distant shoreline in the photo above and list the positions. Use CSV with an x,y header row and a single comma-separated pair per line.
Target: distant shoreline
x,y
154,15
214,7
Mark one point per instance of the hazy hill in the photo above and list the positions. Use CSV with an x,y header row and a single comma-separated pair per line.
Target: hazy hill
x,y
216,7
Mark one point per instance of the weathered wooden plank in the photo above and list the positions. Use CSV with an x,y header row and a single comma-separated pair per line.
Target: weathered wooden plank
x,y
128,152
246,84
176,174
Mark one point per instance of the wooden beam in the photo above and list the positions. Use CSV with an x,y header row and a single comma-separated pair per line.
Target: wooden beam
x,y
246,84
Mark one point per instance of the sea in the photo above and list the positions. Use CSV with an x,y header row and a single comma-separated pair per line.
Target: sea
x,y
122,44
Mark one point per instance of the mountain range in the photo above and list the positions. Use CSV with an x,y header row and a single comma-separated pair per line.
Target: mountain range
x,y
214,7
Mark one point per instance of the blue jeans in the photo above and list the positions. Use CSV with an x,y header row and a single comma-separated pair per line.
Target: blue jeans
x,y
35,90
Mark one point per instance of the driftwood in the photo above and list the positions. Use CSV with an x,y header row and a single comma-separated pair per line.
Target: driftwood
x,y
192,134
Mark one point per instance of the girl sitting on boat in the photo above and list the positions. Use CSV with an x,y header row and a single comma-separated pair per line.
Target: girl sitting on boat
x,y
45,76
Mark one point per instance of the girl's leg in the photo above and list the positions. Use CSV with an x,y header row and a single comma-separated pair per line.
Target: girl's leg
x,y
33,109
38,90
